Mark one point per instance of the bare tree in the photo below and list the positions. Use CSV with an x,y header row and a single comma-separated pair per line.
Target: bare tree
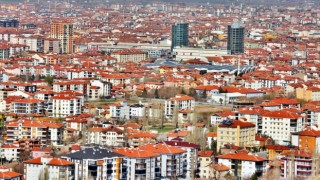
x,y
44,174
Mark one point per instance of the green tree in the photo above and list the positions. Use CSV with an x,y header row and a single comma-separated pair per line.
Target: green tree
x,y
144,93
183,91
214,145
156,93
49,80
254,177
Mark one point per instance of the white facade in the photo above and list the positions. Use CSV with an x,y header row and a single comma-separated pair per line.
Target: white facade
x,y
185,53
63,106
121,111
279,128
10,152
177,103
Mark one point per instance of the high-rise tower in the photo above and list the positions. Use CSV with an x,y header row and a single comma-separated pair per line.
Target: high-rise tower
x,y
63,30
235,38
180,35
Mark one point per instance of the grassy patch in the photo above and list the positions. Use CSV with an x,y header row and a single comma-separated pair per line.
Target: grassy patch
x,y
163,130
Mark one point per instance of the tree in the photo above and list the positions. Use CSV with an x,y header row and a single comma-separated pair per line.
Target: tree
x,y
214,146
204,93
24,155
221,100
144,93
183,91
44,174
254,177
49,80
156,93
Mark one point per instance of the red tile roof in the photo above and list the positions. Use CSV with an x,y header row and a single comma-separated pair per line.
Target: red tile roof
x,y
9,175
310,132
220,167
135,153
281,114
205,153
237,123
242,157
162,149
59,162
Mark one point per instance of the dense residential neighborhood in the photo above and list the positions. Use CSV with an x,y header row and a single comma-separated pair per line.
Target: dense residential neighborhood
x,y
159,90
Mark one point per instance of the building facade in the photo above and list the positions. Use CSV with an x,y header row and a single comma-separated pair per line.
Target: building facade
x,y
180,35
64,32
235,38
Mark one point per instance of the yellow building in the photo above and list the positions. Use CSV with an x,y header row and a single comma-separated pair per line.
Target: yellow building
x,y
275,151
308,94
204,159
236,132
129,55
63,30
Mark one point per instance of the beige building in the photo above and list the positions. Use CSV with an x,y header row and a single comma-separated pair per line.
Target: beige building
x,y
236,132
308,94
51,45
129,55
205,160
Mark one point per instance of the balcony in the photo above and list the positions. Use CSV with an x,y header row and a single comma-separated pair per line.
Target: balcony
x,y
140,172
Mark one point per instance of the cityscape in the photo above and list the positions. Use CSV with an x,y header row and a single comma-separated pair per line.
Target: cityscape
x,y
159,90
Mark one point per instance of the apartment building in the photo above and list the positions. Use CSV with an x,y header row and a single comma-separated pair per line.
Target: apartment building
x,y
27,106
6,174
64,105
236,132
307,139
49,168
63,31
138,138
180,102
129,55
170,161
190,157
243,165
296,163
205,159
138,164
111,136
10,152
51,45
308,93
120,110
279,125
26,129
97,163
